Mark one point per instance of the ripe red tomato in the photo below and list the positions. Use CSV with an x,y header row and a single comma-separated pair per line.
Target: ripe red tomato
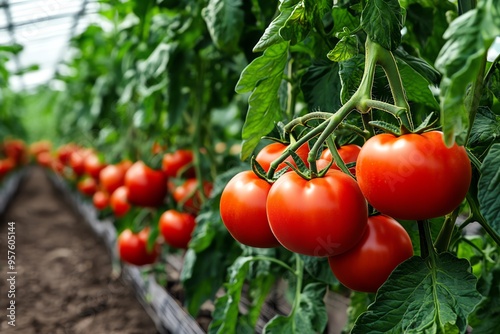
x,y
118,201
77,161
243,210
173,163
414,176
6,165
146,187
319,217
100,199
188,194
367,265
111,177
272,151
87,186
15,149
133,248
44,159
93,165
176,228
348,153
64,152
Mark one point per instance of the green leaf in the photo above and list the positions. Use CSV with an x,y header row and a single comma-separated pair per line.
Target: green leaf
x,y
345,49
359,302
350,72
417,88
423,296
342,18
321,86
309,317
468,39
418,64
486,127
486,319
319,269
225,316
263,78
382,20
493,83
296,26
272,35
224,20
489,187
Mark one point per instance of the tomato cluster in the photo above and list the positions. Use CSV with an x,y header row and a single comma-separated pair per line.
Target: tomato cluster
x,y
129,184
411,177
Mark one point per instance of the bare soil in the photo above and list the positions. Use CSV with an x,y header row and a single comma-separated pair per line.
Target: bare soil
x,y
63,282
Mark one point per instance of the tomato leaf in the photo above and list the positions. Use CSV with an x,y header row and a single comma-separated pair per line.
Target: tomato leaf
x,y
321,86
418,64
486,319
346,48
468,39
263,78
421,296
489,186
486,128
350,72
359,302
416,86
382,20
493,83
224,20
296,26
272,34
319,269
342,18
309,317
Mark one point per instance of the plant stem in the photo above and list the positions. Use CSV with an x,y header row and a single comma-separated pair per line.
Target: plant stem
x,y
292,97
274,260
197,119
473,98
337,158
426,248
299,273
443,239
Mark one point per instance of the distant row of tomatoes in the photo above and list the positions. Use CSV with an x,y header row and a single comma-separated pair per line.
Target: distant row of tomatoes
x,y
119,187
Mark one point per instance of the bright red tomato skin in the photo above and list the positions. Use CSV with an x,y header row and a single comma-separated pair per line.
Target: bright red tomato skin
x,y
243,210
188,194
414,176
118,201
348,153
100,200
87,186
111,177
367,265
173,163
146,187
133,248
321,217
176,228
93,165
272,151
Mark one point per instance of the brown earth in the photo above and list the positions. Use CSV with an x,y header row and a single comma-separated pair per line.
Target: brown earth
x,y
63,282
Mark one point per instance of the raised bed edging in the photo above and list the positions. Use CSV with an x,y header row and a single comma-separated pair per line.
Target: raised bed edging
x,y
9,187
167,315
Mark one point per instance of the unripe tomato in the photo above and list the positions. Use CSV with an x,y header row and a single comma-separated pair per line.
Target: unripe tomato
x,y
100,199
323,216
176,228
188,194
146,187
174,163
118,201
413,176
348,153
273,151
133,248
87,186
243,210
367,265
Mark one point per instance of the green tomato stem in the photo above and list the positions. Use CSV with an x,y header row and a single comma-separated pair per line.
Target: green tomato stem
x,y
274,260
337,158
299,273
444,237
427,250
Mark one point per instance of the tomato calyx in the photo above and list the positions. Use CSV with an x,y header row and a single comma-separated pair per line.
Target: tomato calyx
x,y
426,126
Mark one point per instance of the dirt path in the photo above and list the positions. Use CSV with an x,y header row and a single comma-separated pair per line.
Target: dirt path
x,y
63,282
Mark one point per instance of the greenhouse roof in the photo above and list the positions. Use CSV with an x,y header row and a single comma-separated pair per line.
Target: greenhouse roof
x,y
44,28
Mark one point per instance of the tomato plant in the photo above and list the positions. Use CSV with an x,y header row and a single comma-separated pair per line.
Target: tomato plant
x,y
118,201
243,210
366,266
132,248
188,195
101,200
146,186
178,162
413,176
271,152
112,177
176,228
319,217
87,186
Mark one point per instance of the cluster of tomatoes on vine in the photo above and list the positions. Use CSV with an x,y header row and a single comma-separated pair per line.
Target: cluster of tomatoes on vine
x,y
127,185
411,176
